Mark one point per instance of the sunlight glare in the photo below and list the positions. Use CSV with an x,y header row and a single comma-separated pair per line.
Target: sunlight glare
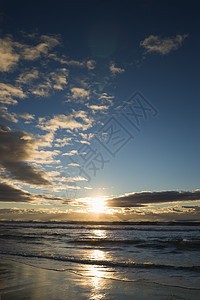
x,y
98,205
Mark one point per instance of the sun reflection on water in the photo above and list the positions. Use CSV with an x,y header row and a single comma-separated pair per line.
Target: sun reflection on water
x,y
97,274
98,233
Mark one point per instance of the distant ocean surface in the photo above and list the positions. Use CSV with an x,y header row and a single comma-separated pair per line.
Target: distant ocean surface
x,y
163,253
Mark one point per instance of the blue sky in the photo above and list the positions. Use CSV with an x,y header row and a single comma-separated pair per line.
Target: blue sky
x,y
99,104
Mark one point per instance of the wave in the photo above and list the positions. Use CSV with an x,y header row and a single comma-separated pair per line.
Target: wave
x,y
134,226
99,242
180,244
106,263
155,243
98,227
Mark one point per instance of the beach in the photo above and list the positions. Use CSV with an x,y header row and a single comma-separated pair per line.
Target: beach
x,y
21,281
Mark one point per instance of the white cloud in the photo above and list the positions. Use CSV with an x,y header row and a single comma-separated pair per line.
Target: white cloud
x,y
75,63
56,80
8,56
70,153
11,51
154,43
86,136
77,178
44,157
65,122
6,116
8,92
104,97
35,52
28,76
73,165
98,107
78,93
115,70
62,142
27,116
84,142
59,78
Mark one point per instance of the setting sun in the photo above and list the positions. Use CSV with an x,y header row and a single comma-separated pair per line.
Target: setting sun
x,y
98,205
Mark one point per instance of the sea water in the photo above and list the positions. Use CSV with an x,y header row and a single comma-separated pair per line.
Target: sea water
x,y
163,253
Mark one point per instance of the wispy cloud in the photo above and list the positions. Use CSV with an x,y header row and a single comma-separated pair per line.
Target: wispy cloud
x,y
80,93
71,153
76,178
6,116
8,55
164,46
116,70
70,121
56,80
9,93
27,77
97,108
11,51
27,116
62,142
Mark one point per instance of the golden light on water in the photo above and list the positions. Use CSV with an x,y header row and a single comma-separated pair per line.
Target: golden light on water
x,y
97,274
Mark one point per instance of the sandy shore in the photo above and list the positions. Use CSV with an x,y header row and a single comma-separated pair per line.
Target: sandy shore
x,y
20,281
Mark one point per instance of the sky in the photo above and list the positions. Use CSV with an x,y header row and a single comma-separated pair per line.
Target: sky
x,y
99,110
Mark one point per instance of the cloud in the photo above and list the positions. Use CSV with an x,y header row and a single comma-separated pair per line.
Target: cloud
x,y
75,63
11,52
8,56
27,116
56,80
80,93
73,165
91,64
16,148
145,198
62,142
66,122
104,98
27,77
154,43
11,193
71,153
5,116
77,178
95,108
115,70
59,78
42,48
8,92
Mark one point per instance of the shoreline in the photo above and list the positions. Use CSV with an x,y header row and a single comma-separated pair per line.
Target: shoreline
x,y
22,281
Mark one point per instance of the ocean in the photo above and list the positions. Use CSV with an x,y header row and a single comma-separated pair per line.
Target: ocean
x,y
162,253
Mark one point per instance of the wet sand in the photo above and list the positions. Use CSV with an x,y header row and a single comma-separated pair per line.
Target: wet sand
x,y
19,281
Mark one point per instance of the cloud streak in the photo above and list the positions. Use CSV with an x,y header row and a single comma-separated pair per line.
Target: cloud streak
x,y
11,193
145,198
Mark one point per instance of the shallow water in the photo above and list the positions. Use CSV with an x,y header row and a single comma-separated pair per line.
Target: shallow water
x,y
159,253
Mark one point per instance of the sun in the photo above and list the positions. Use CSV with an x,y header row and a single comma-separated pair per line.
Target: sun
x,y
98,205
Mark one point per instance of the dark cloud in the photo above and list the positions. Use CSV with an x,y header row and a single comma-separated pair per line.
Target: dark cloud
x,y
144,198
16,147
11,193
